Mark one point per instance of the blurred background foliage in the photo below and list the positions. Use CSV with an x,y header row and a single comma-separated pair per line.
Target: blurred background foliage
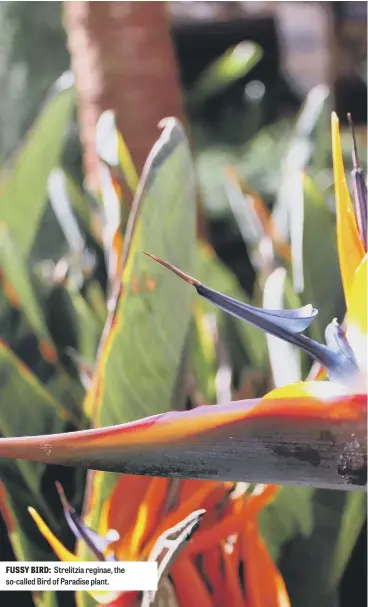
x,y
253,131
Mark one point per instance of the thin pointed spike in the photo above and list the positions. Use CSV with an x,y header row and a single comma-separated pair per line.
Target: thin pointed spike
x,y
355,147
169,266
284,324
64,502
360,189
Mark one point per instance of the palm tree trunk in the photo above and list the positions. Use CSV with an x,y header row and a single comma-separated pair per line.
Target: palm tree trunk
x,y
123,59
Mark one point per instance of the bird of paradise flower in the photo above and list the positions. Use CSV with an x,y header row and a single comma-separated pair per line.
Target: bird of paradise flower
x,y
317,428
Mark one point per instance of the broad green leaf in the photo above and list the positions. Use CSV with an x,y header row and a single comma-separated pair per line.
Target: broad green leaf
x,y
203,354
352,520
220,74
138,371
23,188
322,281
153,312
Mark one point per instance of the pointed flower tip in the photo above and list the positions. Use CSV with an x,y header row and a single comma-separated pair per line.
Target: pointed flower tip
x,y
62,496
355,146
189,279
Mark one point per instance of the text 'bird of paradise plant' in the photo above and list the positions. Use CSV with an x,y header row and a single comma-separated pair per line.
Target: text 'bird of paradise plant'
x,y
311,433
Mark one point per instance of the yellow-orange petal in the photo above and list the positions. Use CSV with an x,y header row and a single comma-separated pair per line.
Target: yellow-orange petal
x,y
61,552
148,513
102,597
184,509
357,328
312,394
120,510
351,251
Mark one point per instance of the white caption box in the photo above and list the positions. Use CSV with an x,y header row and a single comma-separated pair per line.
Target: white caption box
x,y
116,576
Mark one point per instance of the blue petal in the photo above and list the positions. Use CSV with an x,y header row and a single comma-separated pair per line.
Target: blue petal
x,y
95,542
292,321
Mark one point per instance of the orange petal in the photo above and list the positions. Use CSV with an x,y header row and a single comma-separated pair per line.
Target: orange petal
x,y
208,539
213,572
125,599
234,592
189,585
61,552
351,251
184,509
231,524
264,584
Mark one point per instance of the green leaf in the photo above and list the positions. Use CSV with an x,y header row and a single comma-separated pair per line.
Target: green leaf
x,y
140,369
311,533
25,407
153,312
220,74
214,274
289,515
23,188
322,280
15,270
203,355
35,313
352,520
88,326
313,564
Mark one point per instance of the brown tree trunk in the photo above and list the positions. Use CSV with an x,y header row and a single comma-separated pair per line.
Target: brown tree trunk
x,y
123,59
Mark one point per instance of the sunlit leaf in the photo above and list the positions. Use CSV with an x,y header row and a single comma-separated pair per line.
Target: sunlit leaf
x,y
231,66
23,190
141,356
